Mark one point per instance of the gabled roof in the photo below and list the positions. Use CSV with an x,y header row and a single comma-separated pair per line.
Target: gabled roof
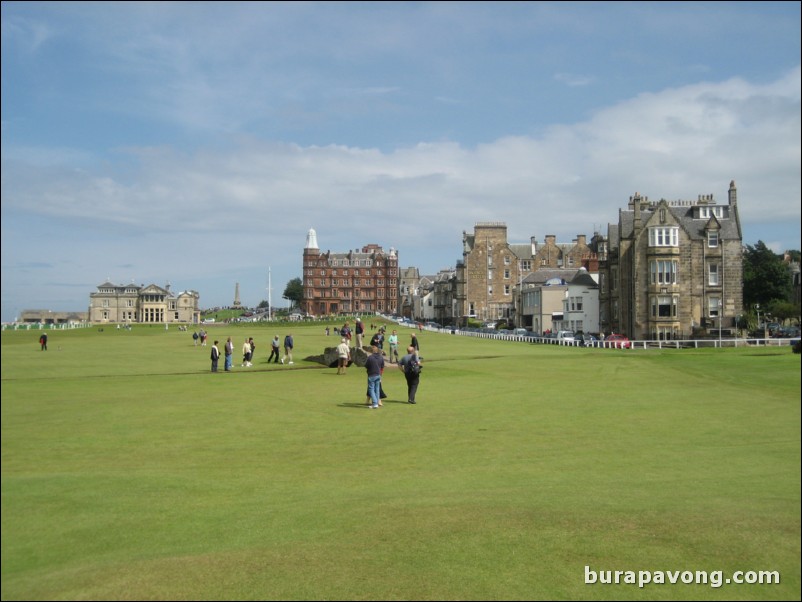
x,y
683,215
583,278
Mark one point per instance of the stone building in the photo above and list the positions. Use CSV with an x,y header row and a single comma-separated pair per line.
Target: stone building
x,y
354,282
489,279
672,270
132,304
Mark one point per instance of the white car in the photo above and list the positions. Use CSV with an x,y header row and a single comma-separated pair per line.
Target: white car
x,y
566,336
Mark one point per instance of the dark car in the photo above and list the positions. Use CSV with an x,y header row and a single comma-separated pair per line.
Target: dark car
x,y
619,341
587,340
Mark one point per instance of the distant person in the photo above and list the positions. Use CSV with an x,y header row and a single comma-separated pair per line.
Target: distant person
x,y
392,340
215,356
374,366
414,343
288,345
253,349
246,354
359,329
195,336
345,331
378,340
343,355
43,342
411,367
229,357
274,350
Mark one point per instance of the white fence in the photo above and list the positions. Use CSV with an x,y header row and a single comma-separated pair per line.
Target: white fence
x,y
672,344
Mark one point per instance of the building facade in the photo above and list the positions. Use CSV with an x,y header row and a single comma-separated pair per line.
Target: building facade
x,y
489,279
132,304
353,282
672,270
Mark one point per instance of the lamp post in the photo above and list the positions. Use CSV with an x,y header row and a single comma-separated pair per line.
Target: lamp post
x,y
720,309
757,309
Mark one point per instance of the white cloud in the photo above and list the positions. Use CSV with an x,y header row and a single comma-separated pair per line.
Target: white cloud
x,y
256,199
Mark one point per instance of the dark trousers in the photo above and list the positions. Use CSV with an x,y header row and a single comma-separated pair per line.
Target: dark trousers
x,y
273,352
412,385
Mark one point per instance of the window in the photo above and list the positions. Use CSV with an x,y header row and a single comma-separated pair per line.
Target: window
x,y
712,238
664,237
664,306
713,307
663,272
506,274
712,271
507,289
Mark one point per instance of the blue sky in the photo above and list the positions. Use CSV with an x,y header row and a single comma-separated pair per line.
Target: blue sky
x,y
197,143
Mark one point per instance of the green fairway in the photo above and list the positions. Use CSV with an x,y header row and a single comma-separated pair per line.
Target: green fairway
x,y
130,471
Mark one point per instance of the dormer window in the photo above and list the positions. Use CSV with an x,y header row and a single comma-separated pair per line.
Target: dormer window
x,y
712,238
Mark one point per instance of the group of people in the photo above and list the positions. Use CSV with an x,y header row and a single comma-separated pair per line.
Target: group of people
x,y
249,350
409,364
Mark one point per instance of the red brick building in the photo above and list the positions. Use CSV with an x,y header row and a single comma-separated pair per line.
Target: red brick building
x,y
354,282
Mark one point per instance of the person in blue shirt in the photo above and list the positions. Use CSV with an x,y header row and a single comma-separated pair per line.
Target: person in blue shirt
x,y
288,345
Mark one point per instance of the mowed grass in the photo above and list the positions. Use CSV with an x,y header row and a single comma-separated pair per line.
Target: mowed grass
x,y
130,472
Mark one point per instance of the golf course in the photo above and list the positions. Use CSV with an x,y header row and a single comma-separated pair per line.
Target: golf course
x,y
130,471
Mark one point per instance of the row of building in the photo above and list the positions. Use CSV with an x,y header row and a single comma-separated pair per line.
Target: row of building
x,y
665,270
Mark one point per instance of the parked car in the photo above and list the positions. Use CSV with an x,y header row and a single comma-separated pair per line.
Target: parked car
x,y
619,341
565,336
587,340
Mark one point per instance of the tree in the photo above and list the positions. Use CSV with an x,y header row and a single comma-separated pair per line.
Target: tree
x,y
766,277
294,293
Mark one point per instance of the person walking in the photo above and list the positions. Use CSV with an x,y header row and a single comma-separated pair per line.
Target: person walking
x,y
215,356
229,351
374,366
274,350
359,329
392,340
246,354
288,345
414,343
343,355
411,366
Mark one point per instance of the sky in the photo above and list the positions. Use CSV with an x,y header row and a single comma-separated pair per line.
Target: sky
x,y
196,143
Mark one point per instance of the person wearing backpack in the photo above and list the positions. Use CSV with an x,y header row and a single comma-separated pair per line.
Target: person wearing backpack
x,y
411,366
